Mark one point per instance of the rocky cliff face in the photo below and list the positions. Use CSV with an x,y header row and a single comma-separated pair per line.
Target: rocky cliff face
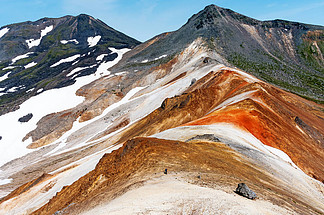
x,y
107,142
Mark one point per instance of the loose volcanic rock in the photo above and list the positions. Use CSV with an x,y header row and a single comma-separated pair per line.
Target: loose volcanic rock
x,y
243,190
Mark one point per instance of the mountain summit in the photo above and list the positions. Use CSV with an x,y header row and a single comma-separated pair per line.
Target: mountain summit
x,y
286,54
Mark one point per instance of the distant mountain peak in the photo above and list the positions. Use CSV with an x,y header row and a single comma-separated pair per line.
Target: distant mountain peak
x,y
212,14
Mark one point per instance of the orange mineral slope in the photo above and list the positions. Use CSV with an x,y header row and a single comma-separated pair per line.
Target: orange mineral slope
x,y
277,118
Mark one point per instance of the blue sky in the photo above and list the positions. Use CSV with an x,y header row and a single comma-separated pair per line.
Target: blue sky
x,y
143,19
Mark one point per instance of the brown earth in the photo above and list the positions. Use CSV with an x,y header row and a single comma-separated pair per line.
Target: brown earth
x,y
143,158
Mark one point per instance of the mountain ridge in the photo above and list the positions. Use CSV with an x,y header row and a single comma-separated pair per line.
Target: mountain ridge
x,y
169,126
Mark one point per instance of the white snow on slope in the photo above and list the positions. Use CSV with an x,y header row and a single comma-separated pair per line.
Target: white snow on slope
x,y
74,71
163,56
4,31
9,67
92,41
5,76
35,42
32,64
21,57
14,89
69,41
51,101
66,60
101,57
5,181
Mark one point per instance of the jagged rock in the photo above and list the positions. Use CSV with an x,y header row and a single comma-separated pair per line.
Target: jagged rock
x,y
210,137
243,190
26,118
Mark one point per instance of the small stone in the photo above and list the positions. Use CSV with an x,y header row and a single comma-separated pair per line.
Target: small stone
x,y
165,171
243,190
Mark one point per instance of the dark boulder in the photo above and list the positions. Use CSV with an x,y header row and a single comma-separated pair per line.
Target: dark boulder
x,y
26,118
243,190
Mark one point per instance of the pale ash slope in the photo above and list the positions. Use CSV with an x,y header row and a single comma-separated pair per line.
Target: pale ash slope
x,y
222,166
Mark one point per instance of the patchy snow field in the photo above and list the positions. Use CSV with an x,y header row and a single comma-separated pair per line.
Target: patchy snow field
x,y
35,42
50,101
5,76
92,41
21,57
4,31
70,41
66,60
30,65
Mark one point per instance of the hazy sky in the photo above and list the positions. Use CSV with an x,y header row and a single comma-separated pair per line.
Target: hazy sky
x,y
143,19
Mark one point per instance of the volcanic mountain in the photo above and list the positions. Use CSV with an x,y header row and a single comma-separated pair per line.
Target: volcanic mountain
x,y
175,124
42,55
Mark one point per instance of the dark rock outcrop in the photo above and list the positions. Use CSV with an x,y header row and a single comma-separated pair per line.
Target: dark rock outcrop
x,y
210,137
243,190
26,118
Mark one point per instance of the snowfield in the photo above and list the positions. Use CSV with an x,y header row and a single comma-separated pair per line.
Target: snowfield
x,y
5,76
35,42
32,64
66,60
92,41
21,57
70,41
4,31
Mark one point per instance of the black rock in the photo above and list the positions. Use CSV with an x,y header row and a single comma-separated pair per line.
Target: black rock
x,y
26,118
243,190
0,137
165,171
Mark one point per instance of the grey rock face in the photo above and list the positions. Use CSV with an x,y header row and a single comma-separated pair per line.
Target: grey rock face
x,y
210,137
243,190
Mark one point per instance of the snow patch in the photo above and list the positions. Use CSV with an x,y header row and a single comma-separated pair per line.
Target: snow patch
x,y
66,60
15,89
101,57
70,41
9,67
35,42
5,181
145,61
32,64
21,57
30,90
92,41
5,76
39,90
163,56
4,31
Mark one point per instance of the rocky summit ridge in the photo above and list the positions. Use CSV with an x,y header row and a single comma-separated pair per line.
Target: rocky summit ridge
x,y
169,126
